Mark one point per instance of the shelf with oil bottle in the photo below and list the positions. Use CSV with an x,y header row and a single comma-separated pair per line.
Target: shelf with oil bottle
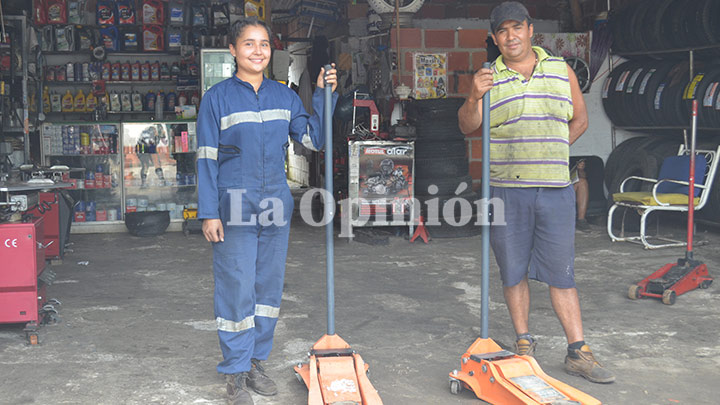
x,y
118,102
182,73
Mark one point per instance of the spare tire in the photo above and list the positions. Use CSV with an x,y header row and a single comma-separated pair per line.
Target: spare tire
x,y
616,157
642,164
406,6
147,223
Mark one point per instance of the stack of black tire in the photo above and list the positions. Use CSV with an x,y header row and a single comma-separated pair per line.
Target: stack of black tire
x,y
441,166
660,93
653,25
642,156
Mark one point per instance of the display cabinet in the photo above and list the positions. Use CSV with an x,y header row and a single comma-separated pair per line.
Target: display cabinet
x,y
159,166
91,153
216,65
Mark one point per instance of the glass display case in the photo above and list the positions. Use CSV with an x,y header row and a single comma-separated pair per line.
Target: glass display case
x,y
159,166
91,153
216,65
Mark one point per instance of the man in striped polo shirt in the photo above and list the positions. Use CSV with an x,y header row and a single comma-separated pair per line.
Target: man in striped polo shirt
x,y
537,111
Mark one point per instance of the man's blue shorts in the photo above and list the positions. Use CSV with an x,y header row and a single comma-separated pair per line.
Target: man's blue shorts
x,y
538,239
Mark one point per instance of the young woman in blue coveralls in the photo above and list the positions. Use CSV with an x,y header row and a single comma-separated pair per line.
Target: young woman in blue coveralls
x,y
245,203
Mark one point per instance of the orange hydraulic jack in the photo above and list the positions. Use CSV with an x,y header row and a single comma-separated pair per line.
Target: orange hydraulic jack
x,y
501,377
334,374
495,375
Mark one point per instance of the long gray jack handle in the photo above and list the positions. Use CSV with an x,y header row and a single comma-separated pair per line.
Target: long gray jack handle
x,y
485,196
329,205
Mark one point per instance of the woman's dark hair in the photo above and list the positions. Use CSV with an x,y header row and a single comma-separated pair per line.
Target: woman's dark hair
x,y
239,26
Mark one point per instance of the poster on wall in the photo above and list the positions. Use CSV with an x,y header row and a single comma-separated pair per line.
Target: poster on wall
x,y
430,75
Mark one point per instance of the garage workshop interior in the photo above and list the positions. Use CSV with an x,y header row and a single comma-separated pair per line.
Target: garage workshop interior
x,y
99,101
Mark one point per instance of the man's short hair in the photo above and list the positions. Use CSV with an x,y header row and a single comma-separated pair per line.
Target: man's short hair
x,y
509,10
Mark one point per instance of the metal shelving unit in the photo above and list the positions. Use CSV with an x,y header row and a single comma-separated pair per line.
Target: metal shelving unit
x,y
14,78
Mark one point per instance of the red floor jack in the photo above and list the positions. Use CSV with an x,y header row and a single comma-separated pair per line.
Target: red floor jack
x,y
495,375
687,274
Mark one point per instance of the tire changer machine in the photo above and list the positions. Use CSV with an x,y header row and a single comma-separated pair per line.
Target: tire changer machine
x,y
30,223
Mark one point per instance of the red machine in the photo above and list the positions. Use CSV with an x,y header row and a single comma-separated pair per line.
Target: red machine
x,y
374,112
22,295
49,209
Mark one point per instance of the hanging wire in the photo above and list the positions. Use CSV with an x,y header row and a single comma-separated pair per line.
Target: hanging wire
x,y
600,47
2,23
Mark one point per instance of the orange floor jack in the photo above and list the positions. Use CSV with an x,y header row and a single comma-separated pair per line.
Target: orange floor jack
x,y
495,375
335,373
687,274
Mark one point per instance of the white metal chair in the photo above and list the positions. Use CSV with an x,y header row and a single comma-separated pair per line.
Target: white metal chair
x,y
669,193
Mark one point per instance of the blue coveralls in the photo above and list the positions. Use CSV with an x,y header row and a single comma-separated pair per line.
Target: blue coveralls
x,y
242,144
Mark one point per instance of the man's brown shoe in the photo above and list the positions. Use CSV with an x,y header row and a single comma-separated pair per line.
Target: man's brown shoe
x,y
259,381
237,389
525,347
582,363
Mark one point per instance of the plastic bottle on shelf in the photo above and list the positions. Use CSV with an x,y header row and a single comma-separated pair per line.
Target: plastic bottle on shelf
x,y
195,99
46,100
79,101
60,73
174,71
55,102
164,71
137,104
90,102
114,101
170,101
182,99
104,100
155,71
145,71
150,101
70,72
174,38
115,71
126,102
105,72
159,105
135,71
86,71
125,71
78,72
68,102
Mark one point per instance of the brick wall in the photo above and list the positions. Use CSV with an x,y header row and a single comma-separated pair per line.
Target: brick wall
x,y
466,54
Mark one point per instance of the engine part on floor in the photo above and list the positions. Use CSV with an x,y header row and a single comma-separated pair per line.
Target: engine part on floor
x,y
687,274
495,375
334,373
147,223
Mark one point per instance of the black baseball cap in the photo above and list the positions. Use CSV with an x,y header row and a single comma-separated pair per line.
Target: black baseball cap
x,y
509,10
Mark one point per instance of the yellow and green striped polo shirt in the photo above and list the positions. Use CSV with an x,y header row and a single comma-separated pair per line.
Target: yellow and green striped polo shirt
x,y
529,135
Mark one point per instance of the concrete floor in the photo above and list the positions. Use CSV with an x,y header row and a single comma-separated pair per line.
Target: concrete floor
x,y
137,322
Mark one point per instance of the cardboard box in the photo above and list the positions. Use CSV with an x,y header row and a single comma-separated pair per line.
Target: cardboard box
x,y
184,138
358,10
